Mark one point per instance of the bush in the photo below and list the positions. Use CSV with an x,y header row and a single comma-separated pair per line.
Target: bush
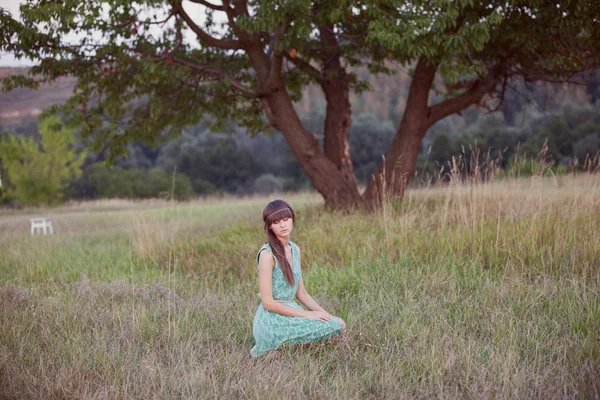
x,y
37,173
268,183
589,145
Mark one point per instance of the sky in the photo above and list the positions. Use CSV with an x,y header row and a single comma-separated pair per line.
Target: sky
x,y
8,60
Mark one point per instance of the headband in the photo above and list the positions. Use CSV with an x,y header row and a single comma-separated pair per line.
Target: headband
x,y
287,208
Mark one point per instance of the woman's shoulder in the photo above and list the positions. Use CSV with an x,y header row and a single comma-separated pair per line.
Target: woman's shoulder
x,y
294,246
265,246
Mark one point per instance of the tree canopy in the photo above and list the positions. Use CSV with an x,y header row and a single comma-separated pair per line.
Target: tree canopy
x,y
146,69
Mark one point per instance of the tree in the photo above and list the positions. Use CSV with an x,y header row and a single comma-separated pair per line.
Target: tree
x,y
139,78
369,138
593,86
38,173
212,163
267,184
556,135
587,147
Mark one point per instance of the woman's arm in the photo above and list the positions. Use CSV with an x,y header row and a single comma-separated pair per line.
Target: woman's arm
x,y
266,264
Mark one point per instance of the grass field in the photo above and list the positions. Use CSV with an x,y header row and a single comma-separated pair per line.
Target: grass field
x,y
463,291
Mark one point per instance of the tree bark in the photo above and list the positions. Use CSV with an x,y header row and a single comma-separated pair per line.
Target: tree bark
x,y
394,172
330,171
338,112
339,192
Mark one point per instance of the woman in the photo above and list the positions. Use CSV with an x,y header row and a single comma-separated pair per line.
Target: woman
x,y
280,321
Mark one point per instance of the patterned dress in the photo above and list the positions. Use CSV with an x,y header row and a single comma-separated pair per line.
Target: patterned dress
x,y
272,330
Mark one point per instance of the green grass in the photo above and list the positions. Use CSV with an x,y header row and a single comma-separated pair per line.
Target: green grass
x,y
462,291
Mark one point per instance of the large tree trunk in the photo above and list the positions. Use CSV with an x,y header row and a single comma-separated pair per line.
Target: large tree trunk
x,y
394,172
339,192
338,116
330,172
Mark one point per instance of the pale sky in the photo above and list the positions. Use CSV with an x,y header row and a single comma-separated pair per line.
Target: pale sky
x,y
7,60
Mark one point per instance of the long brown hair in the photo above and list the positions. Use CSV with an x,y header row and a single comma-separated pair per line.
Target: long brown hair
x,y
274,211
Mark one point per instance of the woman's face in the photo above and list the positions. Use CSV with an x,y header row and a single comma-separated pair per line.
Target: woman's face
x,y
283,227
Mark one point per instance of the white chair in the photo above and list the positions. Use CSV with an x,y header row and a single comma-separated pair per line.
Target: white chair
x,y
41,224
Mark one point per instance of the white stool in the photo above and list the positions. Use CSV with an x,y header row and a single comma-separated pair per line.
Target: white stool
x,y
41,224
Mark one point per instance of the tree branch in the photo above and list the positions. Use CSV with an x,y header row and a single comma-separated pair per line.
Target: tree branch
x,y
276,64
231,14
246,92
501,96
209,5
306,67
203,36
241,6
471,96
171,15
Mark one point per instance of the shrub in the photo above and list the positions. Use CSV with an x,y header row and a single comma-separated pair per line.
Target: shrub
x,y
38,173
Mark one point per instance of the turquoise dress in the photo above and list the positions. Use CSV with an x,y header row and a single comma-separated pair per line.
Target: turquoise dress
x,y
272,330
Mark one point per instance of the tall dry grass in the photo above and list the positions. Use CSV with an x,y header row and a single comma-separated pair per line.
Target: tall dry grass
x,y
473,289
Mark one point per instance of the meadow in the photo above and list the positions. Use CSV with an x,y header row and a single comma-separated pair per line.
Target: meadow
x,y
462,290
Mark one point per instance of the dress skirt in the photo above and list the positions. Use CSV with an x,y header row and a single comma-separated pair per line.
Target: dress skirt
x,y
273,331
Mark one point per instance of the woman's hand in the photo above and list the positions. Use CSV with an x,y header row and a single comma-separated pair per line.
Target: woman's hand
x,y
319,316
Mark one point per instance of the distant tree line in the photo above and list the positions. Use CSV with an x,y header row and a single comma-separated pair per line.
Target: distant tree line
x,y
201,163
569,140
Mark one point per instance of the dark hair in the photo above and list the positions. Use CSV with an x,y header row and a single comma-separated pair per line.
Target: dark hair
x,y
274,211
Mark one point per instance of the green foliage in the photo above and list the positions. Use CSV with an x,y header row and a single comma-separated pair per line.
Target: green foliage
x,y
213,163
369,139
556,134
144,80
564,136
38,173
587,147
441,151
551,145
268,183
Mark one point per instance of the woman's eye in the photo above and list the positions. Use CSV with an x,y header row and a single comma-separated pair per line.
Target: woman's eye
x,y
286,218
276,222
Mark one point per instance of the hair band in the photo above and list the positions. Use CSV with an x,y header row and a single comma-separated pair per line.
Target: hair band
x,y
287,208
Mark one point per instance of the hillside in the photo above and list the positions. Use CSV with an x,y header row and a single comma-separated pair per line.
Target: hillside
x,y
25,102
386,99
